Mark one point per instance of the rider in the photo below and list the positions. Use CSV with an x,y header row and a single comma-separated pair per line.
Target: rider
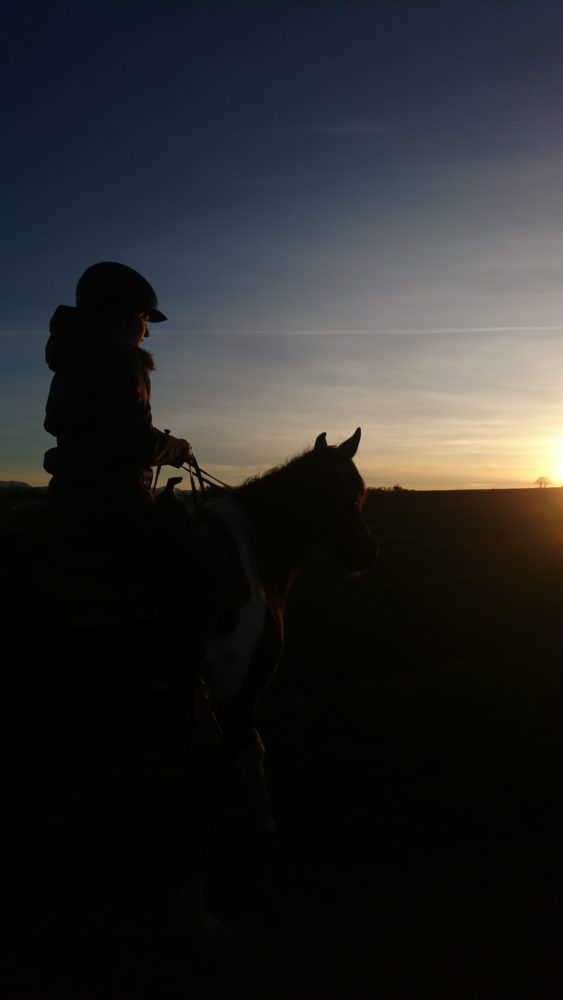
x,y
99,402
99,411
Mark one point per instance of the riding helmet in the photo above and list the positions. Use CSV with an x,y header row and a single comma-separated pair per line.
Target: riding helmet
x,y
112,284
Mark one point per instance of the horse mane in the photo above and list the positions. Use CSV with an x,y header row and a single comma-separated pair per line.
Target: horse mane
x,y
278,472
313,469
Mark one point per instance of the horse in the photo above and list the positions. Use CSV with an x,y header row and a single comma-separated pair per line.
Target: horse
x,y
274,520
258,534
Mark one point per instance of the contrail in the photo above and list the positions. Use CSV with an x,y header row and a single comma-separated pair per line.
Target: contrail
x,y
364,332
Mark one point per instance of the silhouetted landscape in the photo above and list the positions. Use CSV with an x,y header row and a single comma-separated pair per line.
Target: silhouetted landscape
x,y
414,749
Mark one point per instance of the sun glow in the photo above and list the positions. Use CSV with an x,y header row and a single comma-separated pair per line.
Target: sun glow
x,y
557,463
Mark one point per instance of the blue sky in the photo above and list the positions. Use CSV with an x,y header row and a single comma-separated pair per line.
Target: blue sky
x,y
351,213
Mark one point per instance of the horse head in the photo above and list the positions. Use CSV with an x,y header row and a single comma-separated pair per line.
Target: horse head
x,y
339,526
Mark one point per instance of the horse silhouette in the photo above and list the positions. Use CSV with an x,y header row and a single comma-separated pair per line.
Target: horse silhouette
x,y
274,520
99,693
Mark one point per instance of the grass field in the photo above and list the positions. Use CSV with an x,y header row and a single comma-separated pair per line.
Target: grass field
x,y
416,731
415,751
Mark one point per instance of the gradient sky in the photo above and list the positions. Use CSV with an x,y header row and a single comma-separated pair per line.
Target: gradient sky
x,y
352,214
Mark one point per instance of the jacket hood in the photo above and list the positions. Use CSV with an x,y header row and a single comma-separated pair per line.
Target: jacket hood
x,y
70,336
76,337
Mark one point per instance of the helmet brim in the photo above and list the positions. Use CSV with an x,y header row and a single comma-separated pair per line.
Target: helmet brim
x,y
156,316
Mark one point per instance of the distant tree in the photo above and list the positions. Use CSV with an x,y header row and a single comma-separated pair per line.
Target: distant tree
x,y
542,482
392,489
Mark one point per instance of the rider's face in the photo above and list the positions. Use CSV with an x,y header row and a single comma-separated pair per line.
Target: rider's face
x,y
139,329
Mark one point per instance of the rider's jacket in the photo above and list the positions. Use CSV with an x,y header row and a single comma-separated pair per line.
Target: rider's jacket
x,y
99,411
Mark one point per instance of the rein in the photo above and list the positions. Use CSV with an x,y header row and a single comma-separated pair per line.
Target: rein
x,y
203,478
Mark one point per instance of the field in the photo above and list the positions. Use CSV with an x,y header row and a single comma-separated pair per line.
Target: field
x,y
415,751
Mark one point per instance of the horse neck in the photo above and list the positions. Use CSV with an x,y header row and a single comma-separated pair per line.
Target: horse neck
x,y
281,537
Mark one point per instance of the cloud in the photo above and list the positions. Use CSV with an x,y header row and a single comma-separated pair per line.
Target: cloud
x,y
366,331
346,128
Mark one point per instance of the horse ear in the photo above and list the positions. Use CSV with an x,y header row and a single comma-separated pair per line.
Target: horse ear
x,y
349,448
320,443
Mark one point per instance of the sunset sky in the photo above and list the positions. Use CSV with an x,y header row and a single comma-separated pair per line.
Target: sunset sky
x,y
352,214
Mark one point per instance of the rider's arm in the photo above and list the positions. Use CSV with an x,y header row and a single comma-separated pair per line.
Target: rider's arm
x,y
163,449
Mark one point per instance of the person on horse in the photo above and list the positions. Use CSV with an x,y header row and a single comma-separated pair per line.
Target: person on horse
x,y
99,402
99,410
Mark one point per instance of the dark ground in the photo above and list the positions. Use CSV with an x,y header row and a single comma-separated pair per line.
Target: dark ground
x,y
415,746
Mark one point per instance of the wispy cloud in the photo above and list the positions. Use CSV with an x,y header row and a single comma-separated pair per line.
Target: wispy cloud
x,y
363,332
347,128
